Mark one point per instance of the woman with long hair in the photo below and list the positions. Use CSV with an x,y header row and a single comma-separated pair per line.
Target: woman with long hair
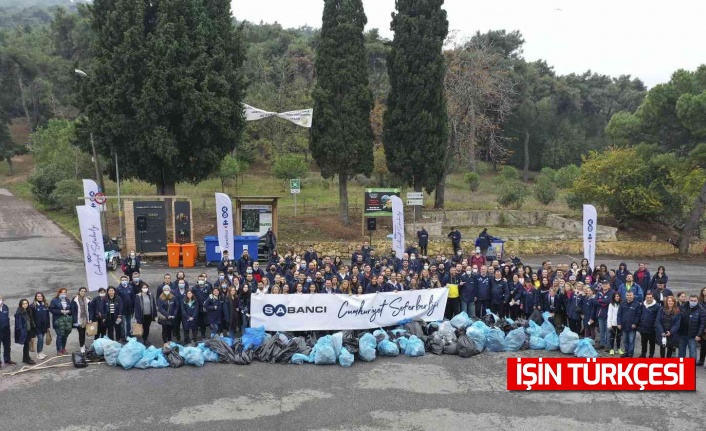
x,y
660,277
702,304
39,313
24,330
81,317
190,316
62,319
668,321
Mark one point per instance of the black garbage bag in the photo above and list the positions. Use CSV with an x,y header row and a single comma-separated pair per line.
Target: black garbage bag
x,y
268,351
92,356
302,346
174,359
350,342
434,344
451,349
505,325
79,360
311,339
521,323
414,328
241,356
225,353
432,327
489,320
536,317
466,347
285,354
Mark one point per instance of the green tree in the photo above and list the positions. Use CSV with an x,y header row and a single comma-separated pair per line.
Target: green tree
x,y
341,134
289,166
229,170
544,190
415,122
8,148
165,87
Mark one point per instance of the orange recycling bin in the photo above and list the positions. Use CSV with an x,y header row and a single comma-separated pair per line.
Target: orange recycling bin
x,y
189,255
173,254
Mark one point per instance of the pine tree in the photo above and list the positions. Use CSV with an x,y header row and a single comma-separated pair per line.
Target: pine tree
x,y
341,134
415,122
165,88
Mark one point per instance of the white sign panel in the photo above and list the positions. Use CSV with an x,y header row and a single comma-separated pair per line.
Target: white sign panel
x,y
415,199
397,225
590,229
224,222
338,312
93,252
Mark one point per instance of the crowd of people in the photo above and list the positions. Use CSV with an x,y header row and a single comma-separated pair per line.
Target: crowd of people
x,y
610,306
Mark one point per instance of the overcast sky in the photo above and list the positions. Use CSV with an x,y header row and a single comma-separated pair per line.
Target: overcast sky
x,y
649,39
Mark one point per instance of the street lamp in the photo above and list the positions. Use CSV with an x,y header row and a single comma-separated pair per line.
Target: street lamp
x,y
83,74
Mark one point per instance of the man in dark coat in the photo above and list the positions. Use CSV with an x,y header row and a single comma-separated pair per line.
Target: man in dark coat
x,y
423,240
647,325
455,236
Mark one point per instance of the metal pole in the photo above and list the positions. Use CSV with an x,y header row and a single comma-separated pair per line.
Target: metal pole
x,y
99,177
120,208
295,204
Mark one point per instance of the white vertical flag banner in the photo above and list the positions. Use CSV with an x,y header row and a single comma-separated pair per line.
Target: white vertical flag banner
x,y
590,228
224,221
397,225
93,252
90,188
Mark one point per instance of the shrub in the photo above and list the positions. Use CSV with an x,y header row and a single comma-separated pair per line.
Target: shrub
x,y
473,180
43,182
66,193
509,173
290,166
544,190
549,173
566,176
512,194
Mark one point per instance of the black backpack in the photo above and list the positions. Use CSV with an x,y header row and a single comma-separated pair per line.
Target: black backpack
x,y
79,360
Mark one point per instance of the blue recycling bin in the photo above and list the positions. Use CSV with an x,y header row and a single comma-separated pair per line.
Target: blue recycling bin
x,y
246,242
213,251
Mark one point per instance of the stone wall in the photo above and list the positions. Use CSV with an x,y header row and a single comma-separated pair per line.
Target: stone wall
x,y
605,233
488,218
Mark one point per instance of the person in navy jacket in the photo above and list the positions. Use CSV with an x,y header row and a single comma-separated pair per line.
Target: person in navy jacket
x,y
467,293
24,330
668,323
588,312
603,300
499,292
528,297
661,293
166,313
95,313
573,308
127,298
39,313
5,338
112,312
146,311
628,318
482,298
214,310
648,324
60,307
643,277
190,316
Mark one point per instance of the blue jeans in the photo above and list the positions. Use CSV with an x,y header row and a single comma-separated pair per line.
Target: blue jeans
x,y
246,322
685,341
60,341
629,341
603,328
469,307
127,325
40,342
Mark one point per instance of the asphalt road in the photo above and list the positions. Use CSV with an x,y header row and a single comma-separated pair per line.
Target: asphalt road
x,y
428,393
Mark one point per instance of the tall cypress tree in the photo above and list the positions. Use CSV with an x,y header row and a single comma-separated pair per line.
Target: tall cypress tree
x,y
165,88
341,134
415,125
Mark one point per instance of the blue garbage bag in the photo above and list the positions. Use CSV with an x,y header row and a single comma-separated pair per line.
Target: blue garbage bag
x,y
193,356
366,347
460,320
150,355
131,353
477,335
534,330
111,352
567,341
324,354
346,359
495,340
99,345
415,347
402,342
537,343
337,342
552,341
178,347
380,333
509,321
299,359
388,348
495,316
208,354
515,339
480,325
160,361
584,349
253,337
229,341
547,326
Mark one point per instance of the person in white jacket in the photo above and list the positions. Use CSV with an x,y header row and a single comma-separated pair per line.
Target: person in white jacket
x,y
612,323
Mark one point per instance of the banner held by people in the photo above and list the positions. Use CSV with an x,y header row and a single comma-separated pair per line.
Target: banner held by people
x,y
397,225
224,217
590,230
93,250
339,312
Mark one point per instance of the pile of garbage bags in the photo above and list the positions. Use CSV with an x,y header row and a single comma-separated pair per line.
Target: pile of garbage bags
x,y
462,336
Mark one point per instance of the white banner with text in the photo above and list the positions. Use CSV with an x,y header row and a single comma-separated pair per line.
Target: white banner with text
x,y
338,312
93,251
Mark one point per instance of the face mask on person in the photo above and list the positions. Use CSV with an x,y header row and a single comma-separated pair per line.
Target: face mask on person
x,y
144,290
202,282
132,255
221,277
62,296
123,283
224,286
102,294
182,286
693,304
167,291
469,272
426,266
136,279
